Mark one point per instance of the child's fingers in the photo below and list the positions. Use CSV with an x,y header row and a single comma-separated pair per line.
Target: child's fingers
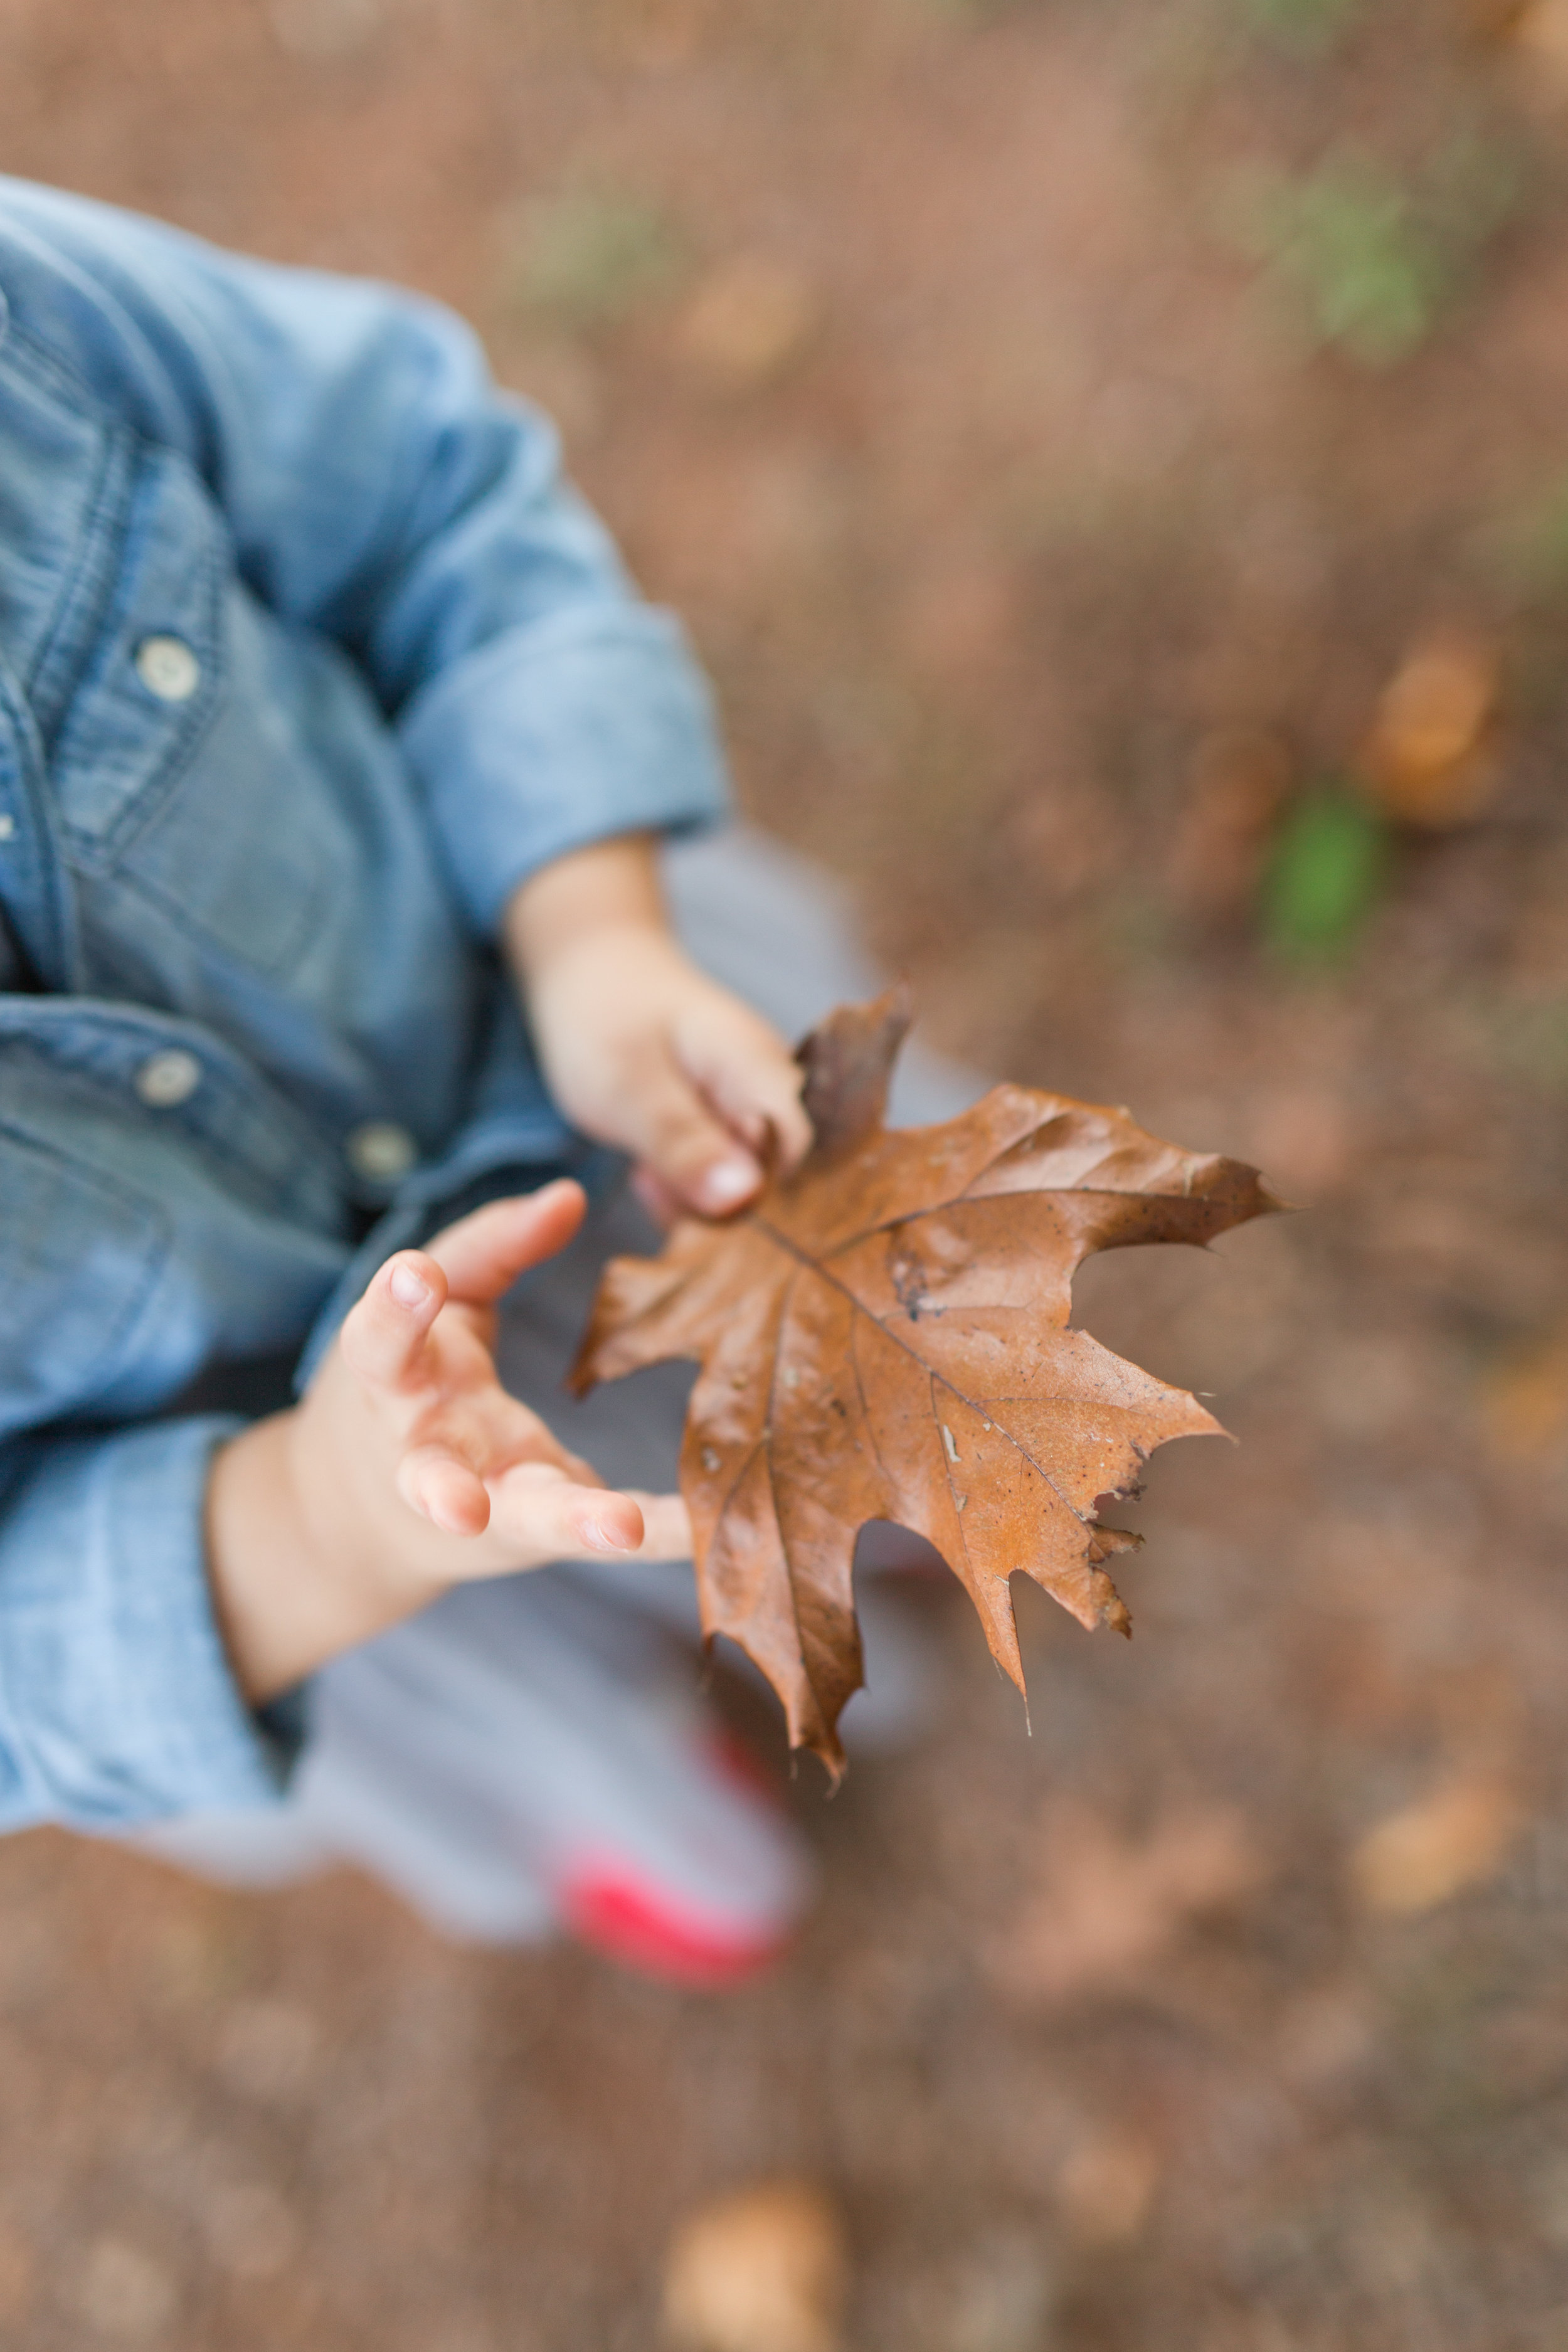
x,y
769,1098
662,1203
384,1336
667,1525
688,1148
750,1077
483,1253
536,1509
550,1518
444,1490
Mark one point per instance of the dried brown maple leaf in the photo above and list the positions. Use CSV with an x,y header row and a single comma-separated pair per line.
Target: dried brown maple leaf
x,y
884,1336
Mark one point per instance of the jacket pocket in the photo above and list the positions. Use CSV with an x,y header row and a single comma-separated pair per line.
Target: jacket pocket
x,y
186,770
82,1255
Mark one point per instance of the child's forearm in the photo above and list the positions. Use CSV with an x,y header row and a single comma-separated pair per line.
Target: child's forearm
x,y
609,885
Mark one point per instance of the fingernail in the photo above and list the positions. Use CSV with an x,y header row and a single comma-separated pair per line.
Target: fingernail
x,y
726,1182
601,1539
407,1288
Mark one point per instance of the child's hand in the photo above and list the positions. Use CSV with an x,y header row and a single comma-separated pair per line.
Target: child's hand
x,y
640,1048
644,1051
407,1468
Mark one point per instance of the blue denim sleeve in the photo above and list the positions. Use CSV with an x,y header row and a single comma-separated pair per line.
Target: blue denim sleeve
x,y
380,487
131,1259
117,1702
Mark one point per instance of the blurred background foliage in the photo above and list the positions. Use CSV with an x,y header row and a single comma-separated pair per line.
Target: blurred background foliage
x,y
1303,220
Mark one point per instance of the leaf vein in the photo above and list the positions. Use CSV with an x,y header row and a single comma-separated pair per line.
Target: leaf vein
x,y
814,1265
967,1199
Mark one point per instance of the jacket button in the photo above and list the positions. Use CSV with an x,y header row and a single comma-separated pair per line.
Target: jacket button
x,y
167,1078
381,1150
168,668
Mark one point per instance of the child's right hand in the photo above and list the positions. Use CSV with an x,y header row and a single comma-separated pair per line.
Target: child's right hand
x,y
407,1468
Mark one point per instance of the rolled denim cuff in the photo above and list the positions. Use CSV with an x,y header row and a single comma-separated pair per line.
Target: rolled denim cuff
x,y
572,730
118,1704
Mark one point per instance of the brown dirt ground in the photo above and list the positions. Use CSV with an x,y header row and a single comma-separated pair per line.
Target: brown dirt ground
x,y
1042,487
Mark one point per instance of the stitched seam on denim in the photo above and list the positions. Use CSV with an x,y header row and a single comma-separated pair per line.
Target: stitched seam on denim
x,y
52,374
96,852
207,1137
44,914
34,365
146,1213
76,628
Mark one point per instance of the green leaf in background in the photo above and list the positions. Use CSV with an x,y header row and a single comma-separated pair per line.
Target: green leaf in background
x,y
1327,871
1302,24
1347,241
1375,260
590,256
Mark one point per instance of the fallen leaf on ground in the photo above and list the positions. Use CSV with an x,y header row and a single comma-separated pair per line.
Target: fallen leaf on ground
x,y
763,2271
1539,32
1524,1403
1425,759
1105,1907
1456,1837
748,320
884,1336
1106,2186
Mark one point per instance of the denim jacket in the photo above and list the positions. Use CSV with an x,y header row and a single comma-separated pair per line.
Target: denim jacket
x,y
308,657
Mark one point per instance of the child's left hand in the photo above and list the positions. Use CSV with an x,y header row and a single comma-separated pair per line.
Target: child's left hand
x,y
640,1048
406,1468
